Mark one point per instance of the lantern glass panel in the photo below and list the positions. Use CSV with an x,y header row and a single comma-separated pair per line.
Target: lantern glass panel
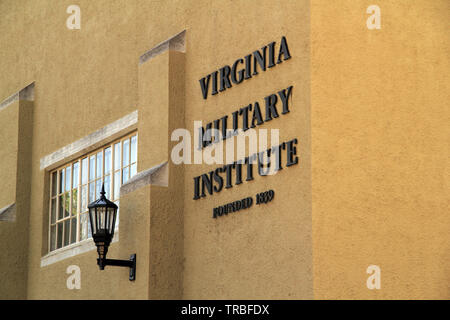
x,y
111,219
101,213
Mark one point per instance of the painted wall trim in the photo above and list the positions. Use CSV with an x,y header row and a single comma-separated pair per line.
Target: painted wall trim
x,y
90,142
175,43
26,93
157,175
8,213
72,251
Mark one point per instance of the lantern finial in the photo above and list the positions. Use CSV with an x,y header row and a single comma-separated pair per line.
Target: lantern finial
x,y
102,193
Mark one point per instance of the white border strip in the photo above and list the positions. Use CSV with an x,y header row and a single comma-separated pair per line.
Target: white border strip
x,y
72,250
176,43
157,175
89,141
8,213
26,93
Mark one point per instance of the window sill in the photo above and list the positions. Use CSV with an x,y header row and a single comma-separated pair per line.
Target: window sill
x,y
72,250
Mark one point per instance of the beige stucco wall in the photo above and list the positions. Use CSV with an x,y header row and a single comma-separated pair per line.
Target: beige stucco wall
x,y
9,127
368,110
9,230
380,140
265,251
15,140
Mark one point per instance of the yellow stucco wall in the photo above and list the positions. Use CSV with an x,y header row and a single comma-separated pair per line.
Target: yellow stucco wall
x,y
380,138
369,109
15,140
9,127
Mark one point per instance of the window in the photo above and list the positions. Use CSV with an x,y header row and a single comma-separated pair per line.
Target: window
x,y
76,184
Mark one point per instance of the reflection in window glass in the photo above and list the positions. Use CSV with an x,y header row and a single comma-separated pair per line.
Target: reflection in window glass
x,y
91,192
60,234
54,183
116,185
126,153
84,200
92,167
66,204
66,232
108,160
53,211
133,170
61,207
99,164
98,188
84,169
108,186
83,226
61,181
117,156
133,149
52,237
68,178
75,175
73,231
74,202
125,174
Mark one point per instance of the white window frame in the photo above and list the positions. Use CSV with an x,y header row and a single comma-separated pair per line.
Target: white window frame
x,y
57,223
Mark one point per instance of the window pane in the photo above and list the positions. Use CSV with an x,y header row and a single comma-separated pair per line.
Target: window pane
x,y
83,226
68,178
53,211
61,181
117,185
133,170
98,188
126,152
92,167
108,160
91,192
54,183
75,175
108,186
74,201
99,164
133,149
73,232
66,232
84,200
117,156
60,234
61,207
125,174
52,238
66,204
84,170
89,233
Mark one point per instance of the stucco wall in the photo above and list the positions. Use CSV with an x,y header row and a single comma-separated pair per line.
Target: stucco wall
x,y
15,140
380,139
368,110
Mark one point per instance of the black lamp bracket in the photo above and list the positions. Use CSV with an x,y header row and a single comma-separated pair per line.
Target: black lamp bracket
x,y
122,263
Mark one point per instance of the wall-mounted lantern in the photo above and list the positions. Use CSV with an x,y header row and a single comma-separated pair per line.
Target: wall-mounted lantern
x,y
102,215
